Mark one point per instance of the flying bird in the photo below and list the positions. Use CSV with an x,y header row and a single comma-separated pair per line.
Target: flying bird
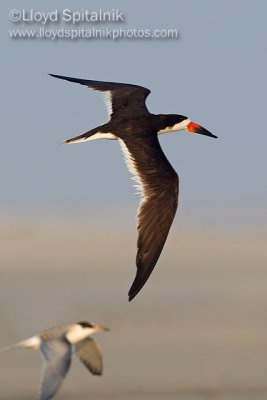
x,y
57,346
137,131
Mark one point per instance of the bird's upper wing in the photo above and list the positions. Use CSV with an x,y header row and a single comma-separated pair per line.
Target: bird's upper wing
x,y
159,186
120,97
54,332
57,354
89,354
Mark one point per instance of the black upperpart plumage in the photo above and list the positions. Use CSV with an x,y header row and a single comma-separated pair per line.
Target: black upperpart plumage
x,y
126,98
137,130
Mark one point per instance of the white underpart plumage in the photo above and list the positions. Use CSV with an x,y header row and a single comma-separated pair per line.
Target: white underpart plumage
x,y
131,165
108,102
177,127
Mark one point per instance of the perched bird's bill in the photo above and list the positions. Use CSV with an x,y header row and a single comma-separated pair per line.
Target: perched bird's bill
x,y
195,128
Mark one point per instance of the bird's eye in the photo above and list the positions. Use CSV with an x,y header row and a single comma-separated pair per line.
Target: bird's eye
x,y
85,324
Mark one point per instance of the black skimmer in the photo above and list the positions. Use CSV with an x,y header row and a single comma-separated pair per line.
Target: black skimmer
x,y
58,346
137,131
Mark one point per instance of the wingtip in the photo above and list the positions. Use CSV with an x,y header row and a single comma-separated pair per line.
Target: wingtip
x,y
66,78
139,282
58,76
133,292
130,298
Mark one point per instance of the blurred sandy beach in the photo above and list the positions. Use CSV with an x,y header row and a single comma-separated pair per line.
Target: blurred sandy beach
x,y
198,330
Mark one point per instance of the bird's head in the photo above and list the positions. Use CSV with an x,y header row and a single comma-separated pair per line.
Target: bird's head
x,y
175,122
82,330
91,327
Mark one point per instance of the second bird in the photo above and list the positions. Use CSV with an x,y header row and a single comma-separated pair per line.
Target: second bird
x,y
137,131
58,345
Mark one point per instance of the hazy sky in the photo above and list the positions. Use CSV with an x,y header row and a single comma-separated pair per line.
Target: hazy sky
x,y
60,204
215,73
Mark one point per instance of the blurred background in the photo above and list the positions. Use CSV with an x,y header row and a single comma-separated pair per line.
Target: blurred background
x,y
198,329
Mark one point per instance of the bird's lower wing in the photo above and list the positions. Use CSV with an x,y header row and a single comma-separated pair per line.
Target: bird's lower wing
x,y
159,186
57,354
89,354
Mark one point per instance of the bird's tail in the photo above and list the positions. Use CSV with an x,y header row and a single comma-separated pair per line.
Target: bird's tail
x,y
13,346
82,138
93,134
31,343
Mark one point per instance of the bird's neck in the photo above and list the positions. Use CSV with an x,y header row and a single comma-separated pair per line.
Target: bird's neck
x,y
78,333
170,123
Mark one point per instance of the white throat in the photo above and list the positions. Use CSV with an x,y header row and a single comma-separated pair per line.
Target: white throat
x,y
78,333
177,127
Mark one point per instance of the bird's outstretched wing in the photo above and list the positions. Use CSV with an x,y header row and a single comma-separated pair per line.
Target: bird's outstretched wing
x,y
159,186
120,97
89,354
57,354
